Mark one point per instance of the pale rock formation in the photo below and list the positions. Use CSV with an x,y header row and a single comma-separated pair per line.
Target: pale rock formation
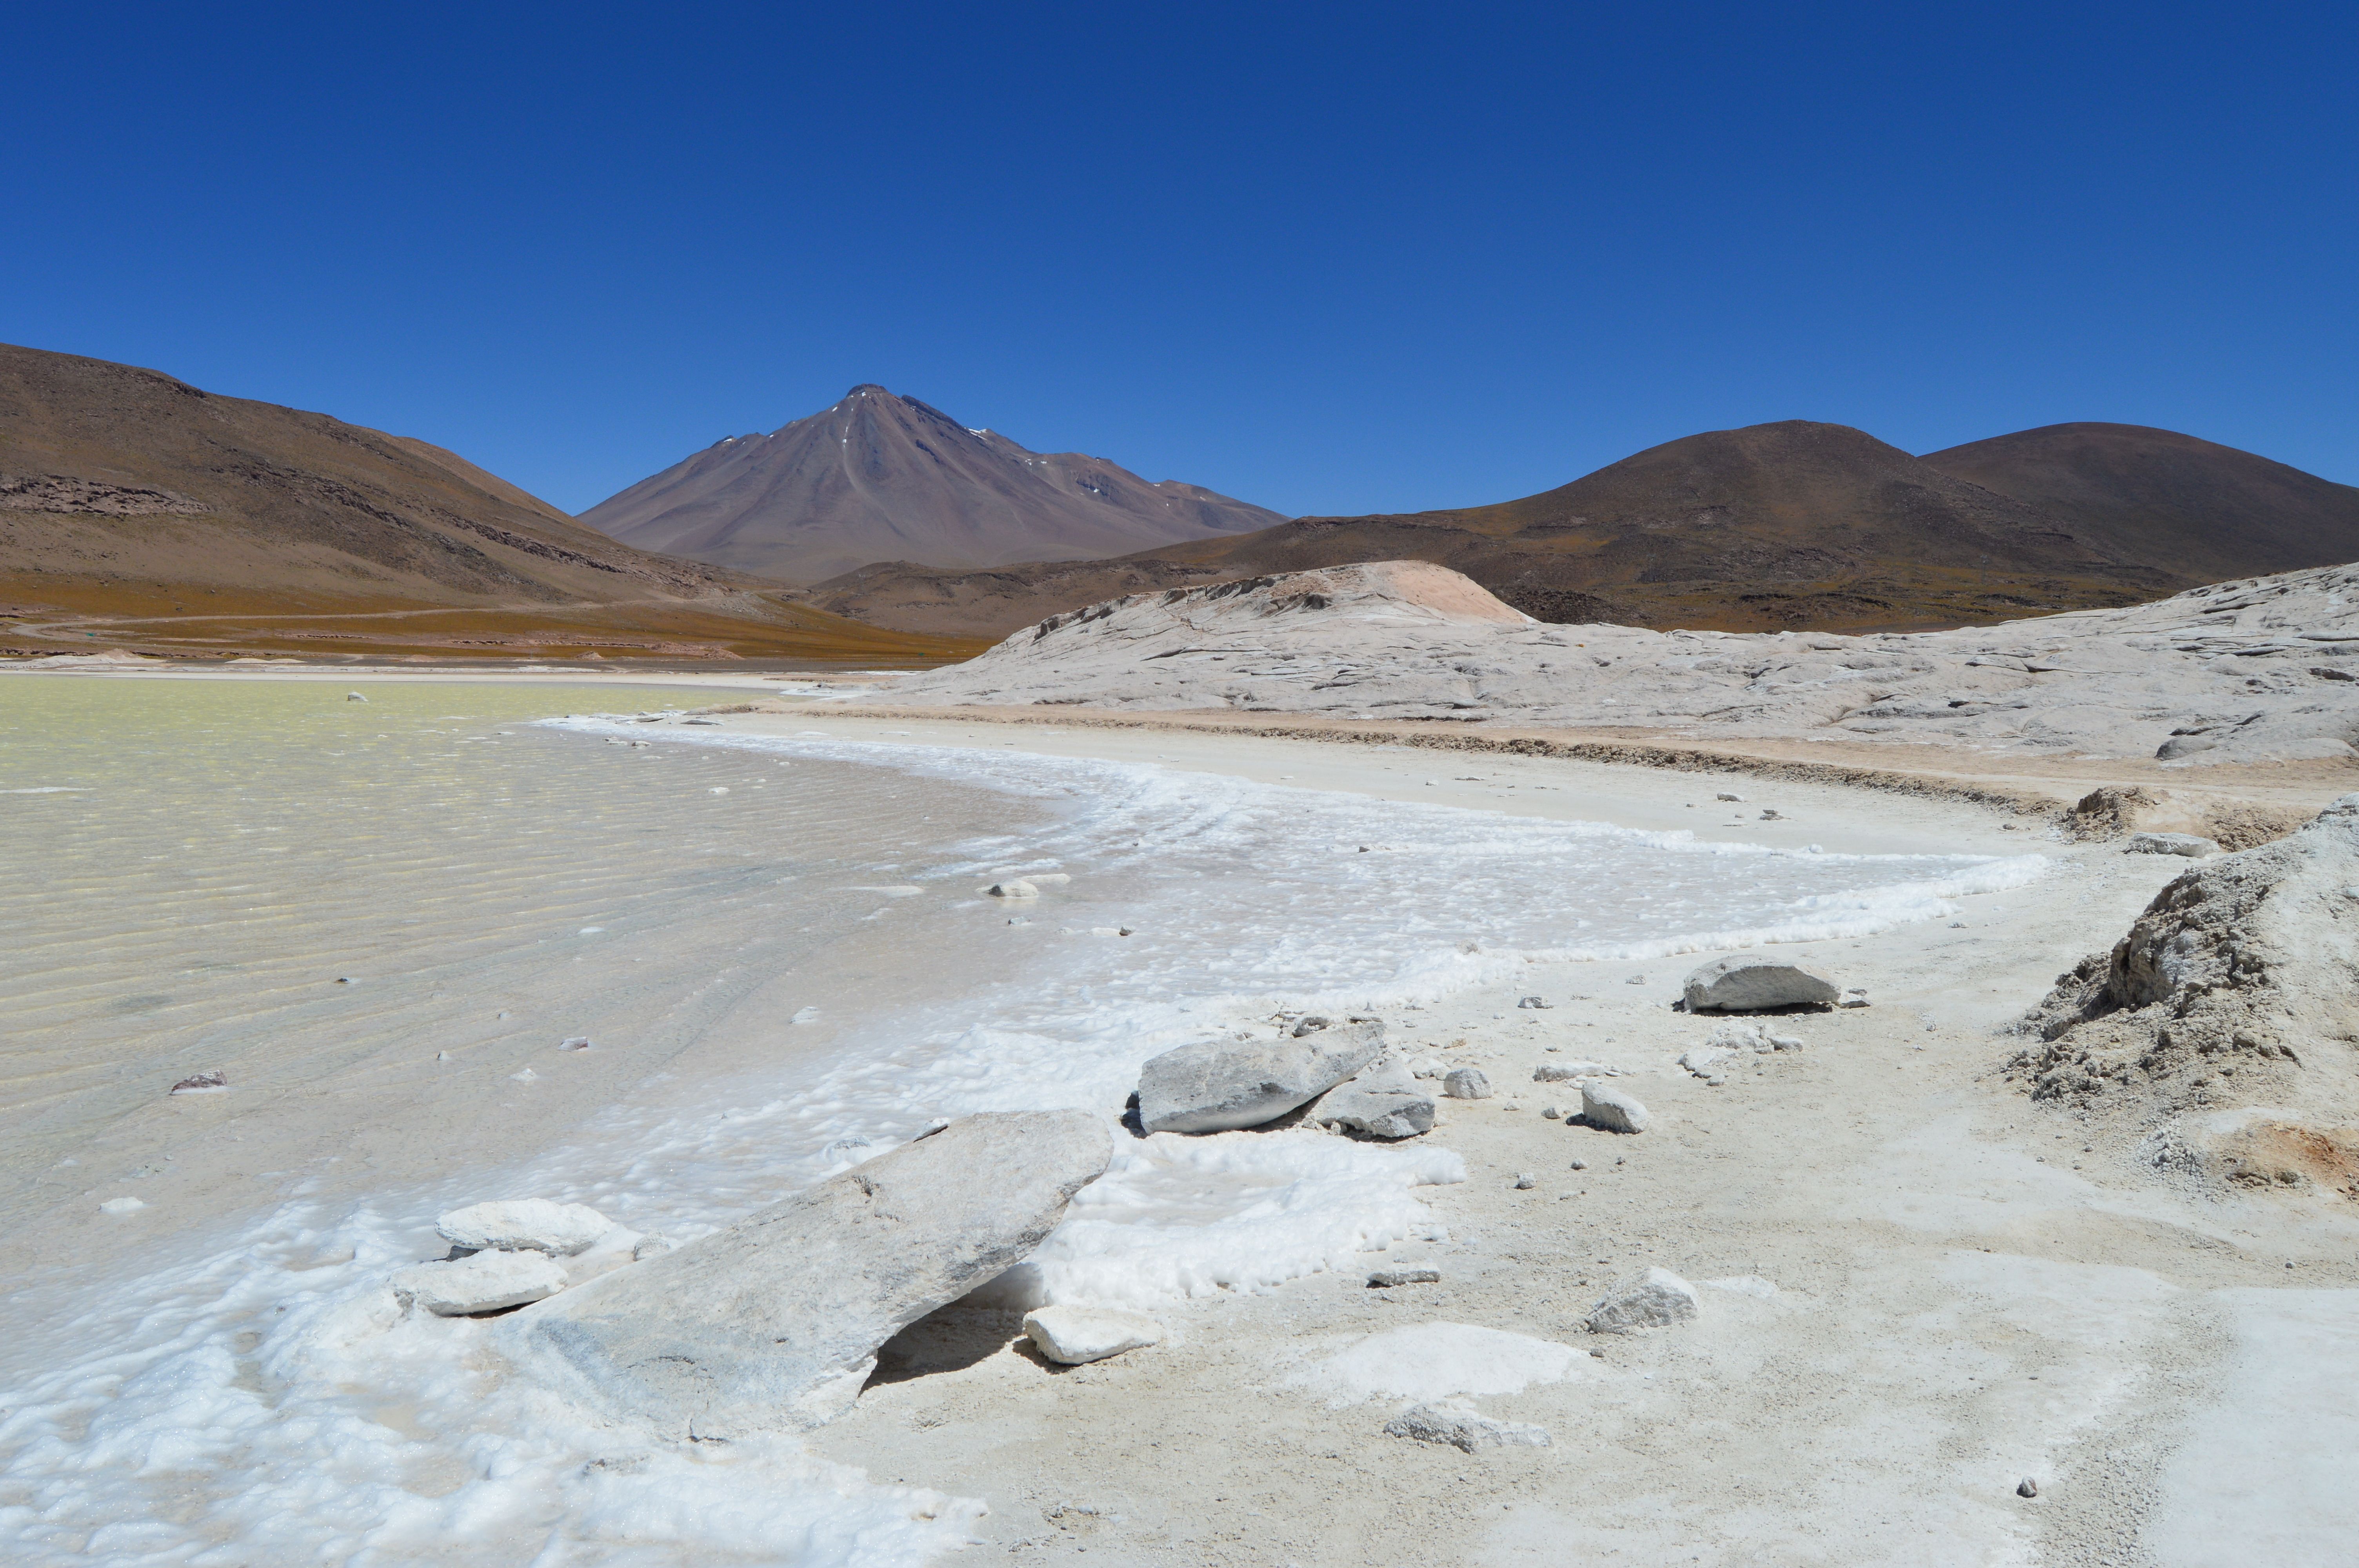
x,y
1746,982
485,1281
1075,1334
774,1324
1656,1299
1217,1086
2245,671
525,1224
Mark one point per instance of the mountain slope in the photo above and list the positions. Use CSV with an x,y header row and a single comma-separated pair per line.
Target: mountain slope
x,y
1772,527
879,476
139,509
2140,493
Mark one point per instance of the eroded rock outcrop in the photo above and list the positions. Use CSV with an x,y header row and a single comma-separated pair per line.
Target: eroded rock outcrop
x,y
2237,987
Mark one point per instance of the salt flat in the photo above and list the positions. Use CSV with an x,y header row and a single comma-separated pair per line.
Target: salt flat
x,y
1919,1287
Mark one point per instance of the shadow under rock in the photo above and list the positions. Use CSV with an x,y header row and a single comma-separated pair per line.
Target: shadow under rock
x,y
946,1340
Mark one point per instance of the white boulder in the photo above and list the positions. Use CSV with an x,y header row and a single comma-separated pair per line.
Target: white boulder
x,y
1466,1083
485,1281
1074,1335
1611,1109
774,1324
1216,1085
1747,983
1657,1298
525,1224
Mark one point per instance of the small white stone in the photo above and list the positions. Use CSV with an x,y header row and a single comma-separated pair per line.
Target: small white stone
x,y
1074,1335
121,1205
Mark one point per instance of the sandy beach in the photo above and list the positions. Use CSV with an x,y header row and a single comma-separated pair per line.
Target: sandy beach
x,y
1919,1289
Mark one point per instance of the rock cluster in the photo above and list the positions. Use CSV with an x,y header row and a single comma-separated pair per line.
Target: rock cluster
x,y
1656,1299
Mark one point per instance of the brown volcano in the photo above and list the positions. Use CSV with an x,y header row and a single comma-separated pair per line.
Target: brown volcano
x,y
138,511
884,477
2208,511
1772,527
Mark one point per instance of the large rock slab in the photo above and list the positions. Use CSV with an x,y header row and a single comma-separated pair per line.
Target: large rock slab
x,y
1383,1099
1216,1085
525,1224
486,1282
774,1324
1745,982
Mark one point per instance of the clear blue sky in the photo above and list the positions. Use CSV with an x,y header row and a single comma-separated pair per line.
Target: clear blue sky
x,y
1329,259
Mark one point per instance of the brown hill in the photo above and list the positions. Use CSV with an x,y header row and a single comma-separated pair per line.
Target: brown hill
x,y
2139,493
138,511
880,476
1769,527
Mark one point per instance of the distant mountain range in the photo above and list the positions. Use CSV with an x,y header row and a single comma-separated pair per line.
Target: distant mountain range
x,y
880,477
138,511
1788,525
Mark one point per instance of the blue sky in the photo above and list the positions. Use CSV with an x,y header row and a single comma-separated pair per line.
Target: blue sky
x,y
1327,259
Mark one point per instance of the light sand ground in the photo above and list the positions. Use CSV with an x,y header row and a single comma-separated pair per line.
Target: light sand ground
x,y
1972,1289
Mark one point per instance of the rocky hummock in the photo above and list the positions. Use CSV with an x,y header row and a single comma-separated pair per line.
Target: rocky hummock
x,y
2229,673
1657,1298
2237,987
774,1324
882,478
1219,1085
1464,1428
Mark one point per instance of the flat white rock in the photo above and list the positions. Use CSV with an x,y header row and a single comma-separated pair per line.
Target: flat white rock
x,y
525,1224
1075,1334
485,1281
